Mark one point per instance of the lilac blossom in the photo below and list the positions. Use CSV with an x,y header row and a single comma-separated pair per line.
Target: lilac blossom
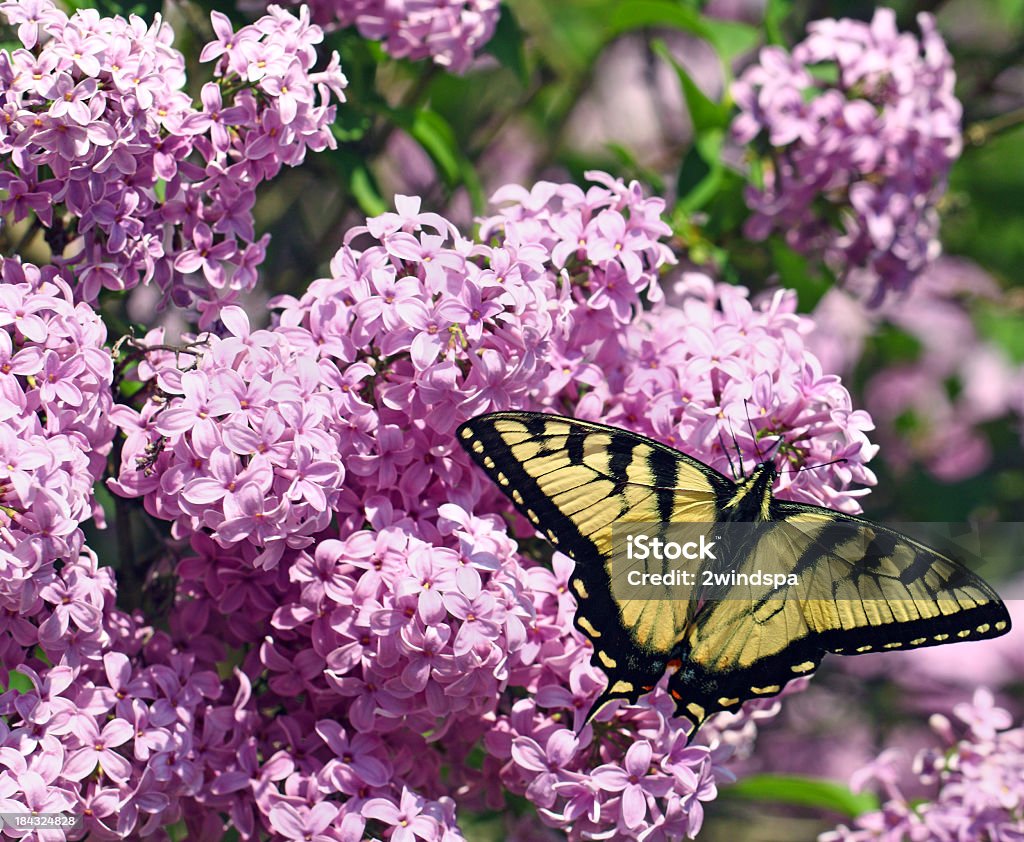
x,y
743,376
450,32
146,187
856,164
55,433
975,776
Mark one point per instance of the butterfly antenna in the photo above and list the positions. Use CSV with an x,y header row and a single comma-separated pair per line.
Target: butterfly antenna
x,y
813,467
753,435
739,452
725,450
776,446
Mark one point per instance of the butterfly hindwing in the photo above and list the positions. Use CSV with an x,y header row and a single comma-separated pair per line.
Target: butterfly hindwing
x,y
573,480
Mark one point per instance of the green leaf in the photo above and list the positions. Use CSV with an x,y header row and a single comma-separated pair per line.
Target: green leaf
x,y
362,186
693,173
18,681
353,172
895,345
351,125
128,389
435,135
1002,327
796,273
825,71
430,130
364,190
775,12
705,113
756,174
637,14
727,210
702,172
729,38
572,35
1011,12
804,792
361,60
507,45
983,216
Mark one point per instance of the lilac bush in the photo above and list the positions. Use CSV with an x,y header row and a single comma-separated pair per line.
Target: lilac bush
x,y
55,437
854,132
341,542
361,640
81,677
340,537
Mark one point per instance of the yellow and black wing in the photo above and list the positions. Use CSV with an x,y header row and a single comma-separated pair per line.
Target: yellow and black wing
x,y
859,587
573,480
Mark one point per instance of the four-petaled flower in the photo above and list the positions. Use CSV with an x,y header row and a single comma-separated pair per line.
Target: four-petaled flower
x,y
406,819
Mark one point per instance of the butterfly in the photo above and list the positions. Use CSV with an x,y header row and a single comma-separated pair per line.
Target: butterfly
x,y
874,588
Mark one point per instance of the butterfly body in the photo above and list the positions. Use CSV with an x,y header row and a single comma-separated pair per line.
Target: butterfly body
x,y
753,496
864,587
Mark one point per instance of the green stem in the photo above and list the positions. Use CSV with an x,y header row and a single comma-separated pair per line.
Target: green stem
x,y
129,596
980,133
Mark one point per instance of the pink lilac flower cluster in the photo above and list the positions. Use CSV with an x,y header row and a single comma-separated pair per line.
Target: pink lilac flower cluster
x,y
975,775
733,381
708,372
451,32
91,721
130,182
343,542
270,434
55,430
855,132
240,443
103,717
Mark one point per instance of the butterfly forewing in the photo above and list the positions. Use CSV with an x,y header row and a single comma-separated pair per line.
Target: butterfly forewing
x,y
860,588
574,481
889,591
